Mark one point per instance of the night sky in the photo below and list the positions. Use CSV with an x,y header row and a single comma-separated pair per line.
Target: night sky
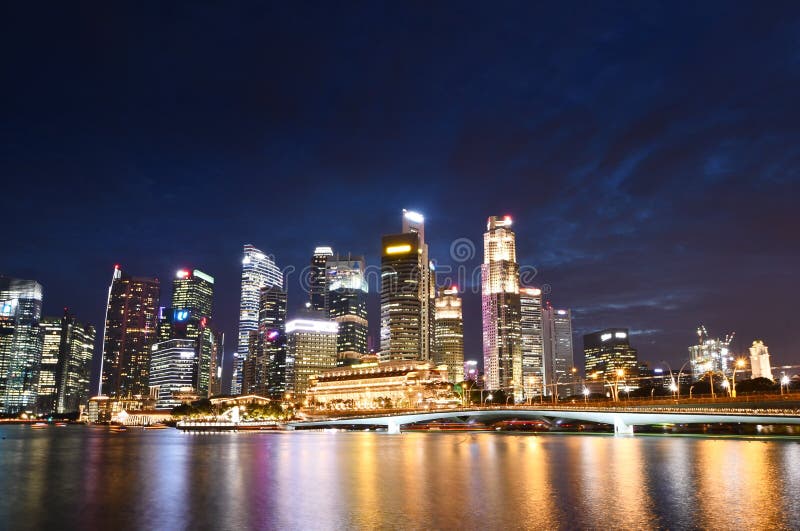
x,y
649,153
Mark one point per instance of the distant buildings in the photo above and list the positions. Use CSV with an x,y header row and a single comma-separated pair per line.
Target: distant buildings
x,y
500,306
558,354
20,344
311,349
449,333
608,351
759,361
264,370
317,279
258,271
710,355
173,371
532,341
406,293
130,332
347,305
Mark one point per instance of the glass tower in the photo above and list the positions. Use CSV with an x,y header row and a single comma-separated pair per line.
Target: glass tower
x,y
317,279
66,364
558,355
311,349
449,335
532,341
607,351
347,305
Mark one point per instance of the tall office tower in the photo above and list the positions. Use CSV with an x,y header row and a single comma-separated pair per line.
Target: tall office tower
x,y
500,305
66,364
215,369
347,306
130,330
311,349
258,271
270,343
20,343
558,356
530,301
318,279
173,370
449,334
407,294
608,351
759,361
710,355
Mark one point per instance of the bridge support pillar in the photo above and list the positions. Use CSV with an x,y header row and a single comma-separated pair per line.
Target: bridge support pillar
x,y
393,428
620,428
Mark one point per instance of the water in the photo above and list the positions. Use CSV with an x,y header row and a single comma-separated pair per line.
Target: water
x,y
84,478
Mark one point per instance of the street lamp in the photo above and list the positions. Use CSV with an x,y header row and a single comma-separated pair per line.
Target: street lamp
x,y
785,382
585,394
738,365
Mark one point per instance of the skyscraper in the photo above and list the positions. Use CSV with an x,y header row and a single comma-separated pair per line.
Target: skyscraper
x,y
130,331
264,370
500,306
318,279
258,271
20,343
173,370
449,334
608,351
347,305
66,364
407,293
532,341
558,355
311,349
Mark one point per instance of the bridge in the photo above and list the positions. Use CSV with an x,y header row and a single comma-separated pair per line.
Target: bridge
x,y
622,418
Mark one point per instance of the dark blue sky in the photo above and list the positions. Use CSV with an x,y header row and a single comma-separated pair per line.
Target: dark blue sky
x,y
649,152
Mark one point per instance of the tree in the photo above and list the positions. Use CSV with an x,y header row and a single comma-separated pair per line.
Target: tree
x,y
757,385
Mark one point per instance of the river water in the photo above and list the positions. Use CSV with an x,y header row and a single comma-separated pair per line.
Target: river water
x,y
85,478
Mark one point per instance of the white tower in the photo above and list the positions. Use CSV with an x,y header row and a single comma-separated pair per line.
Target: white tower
x,y
759,361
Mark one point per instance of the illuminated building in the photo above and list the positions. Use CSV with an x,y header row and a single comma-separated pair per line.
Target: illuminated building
x,y
530,301
258,271
215,368
66,364
317,279
347,305
264,372
174,369
759,361
407,290
374,385
449,333
130,331
311,349
471,371
608,351
558,355
500,307
710,355
20,343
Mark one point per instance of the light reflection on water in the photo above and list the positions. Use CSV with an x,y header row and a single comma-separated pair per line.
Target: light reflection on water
x,y
76,477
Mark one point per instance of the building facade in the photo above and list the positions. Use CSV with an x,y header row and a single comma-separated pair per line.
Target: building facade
x,y
311,349
66,364
318,279
608,351
710,355
558,353
131,329
530,300
500,307
449,333
20,344
173,371
264,372
759,361
258,271
347,306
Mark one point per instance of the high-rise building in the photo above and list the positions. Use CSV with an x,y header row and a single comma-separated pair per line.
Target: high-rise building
x,y
318,279
500,306
710,355
311,349
20,343
449,333
608,351
530,300
347,306
407,294
264,370
130,332
759,361
215,369
173,370
258,271
66,364
558,355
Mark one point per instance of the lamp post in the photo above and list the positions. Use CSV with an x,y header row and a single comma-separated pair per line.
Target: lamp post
x,y
785,382
738,365
483,400
585,394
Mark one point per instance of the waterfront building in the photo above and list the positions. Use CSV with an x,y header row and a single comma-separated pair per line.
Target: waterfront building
x,y
311,349
710,355
258,271
608,351
318,279
347,306
559,378
759,361
215,368
130,332
20,343
382,385
500,307
264,372
407,280
449,333
66,364
530,300
471,371
174,369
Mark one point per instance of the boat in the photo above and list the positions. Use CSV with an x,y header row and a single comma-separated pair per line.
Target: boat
x,y
38,425
61,424
156,426
117,428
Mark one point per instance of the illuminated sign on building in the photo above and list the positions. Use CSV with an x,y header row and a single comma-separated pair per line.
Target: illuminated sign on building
x,y
397,249
180,316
